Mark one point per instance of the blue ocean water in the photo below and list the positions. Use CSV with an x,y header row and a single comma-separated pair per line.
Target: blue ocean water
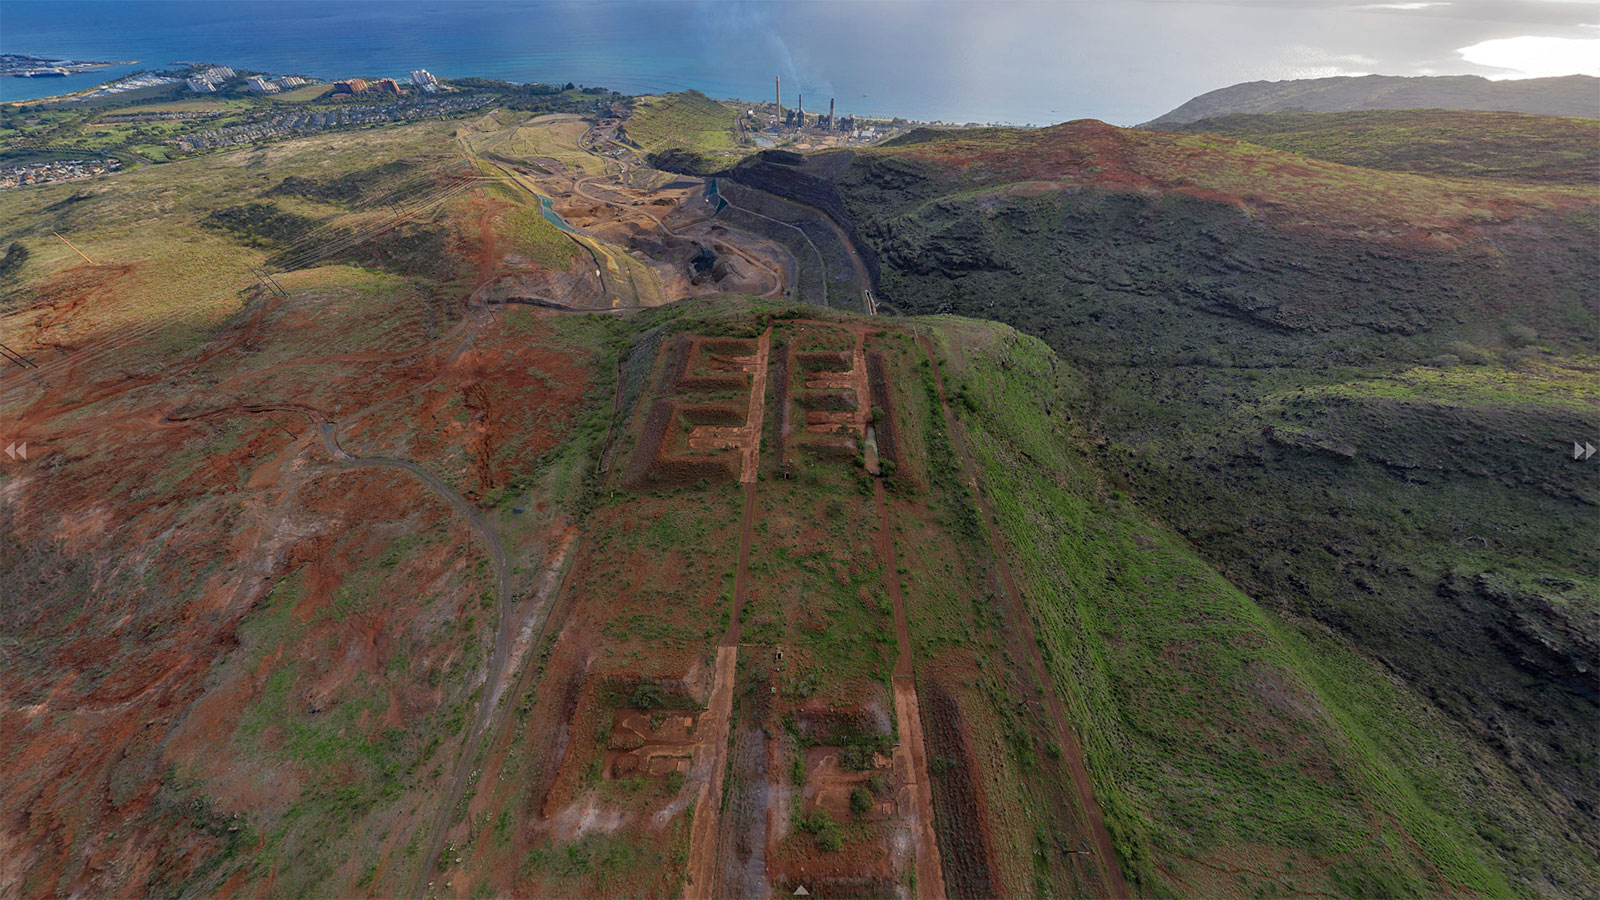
x,y
1014,61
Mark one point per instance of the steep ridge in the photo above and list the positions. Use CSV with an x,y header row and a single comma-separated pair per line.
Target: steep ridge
x,y
1348,389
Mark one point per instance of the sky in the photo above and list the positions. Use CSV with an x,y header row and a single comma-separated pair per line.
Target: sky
x,y
1121,59
1012,61
1498,39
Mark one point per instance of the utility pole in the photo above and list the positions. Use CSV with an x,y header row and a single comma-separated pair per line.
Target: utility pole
x,y
74,249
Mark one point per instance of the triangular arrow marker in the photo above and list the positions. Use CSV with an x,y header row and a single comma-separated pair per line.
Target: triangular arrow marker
x,y
23,450
11,450
1577,450
801,891
1588,449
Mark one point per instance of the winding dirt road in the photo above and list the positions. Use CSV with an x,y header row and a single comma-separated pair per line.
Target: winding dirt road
x,y
503,631
579,184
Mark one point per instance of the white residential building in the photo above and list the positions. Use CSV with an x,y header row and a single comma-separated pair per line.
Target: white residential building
x,y
201,86
261,85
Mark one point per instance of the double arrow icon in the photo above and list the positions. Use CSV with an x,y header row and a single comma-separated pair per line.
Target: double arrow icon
x,y
14,451
1583,450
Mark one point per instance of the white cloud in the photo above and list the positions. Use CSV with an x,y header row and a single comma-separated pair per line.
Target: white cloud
x,y
1532,56
1305,61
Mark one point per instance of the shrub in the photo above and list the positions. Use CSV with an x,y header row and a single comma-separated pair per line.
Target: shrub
x,y
821,826
860,801
11,263
646,696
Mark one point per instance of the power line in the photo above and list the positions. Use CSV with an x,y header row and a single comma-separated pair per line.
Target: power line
x,y
17,358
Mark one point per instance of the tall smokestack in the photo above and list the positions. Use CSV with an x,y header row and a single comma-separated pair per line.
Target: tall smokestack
x,y
830,113
800,105
777,93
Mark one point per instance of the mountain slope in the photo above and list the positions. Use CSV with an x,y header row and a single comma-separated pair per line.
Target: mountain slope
x,y
1570,95
1350,390
1451,143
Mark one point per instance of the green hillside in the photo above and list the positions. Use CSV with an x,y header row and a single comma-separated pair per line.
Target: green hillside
x,y
1453,143
1363,427
1194,516
1235,750
689,120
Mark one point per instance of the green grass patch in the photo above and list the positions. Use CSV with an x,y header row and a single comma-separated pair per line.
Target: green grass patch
x,y
690,120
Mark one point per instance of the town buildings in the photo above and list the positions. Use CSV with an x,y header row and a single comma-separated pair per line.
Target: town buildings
x,y
287,122
424,80
56,171
207,81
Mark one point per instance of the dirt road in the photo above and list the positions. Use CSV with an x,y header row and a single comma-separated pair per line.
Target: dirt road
x,y
579,186
710,763
910,754
503,631
711,756
1022,625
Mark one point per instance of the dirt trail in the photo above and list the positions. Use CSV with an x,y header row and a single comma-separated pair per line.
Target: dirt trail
x,y
1022,625
910,754
868,304
751,451
713,751
710,763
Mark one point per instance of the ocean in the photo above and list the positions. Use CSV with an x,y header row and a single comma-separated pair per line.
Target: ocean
x,y
936,60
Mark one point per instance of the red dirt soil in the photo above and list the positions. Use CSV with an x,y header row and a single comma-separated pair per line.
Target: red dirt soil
x,y
154,666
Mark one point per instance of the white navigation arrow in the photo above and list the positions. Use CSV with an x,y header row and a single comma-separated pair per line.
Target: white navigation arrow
x,y
13,451
1582,451
801,891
